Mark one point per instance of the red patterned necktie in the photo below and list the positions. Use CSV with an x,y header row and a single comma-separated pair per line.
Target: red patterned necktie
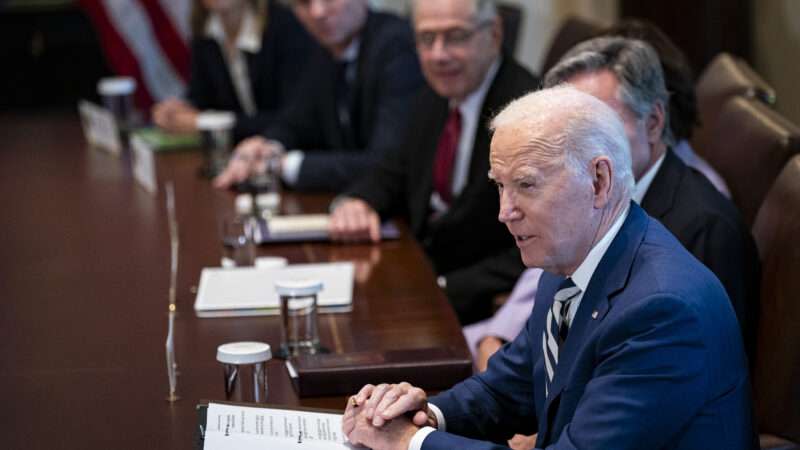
x,y
446,156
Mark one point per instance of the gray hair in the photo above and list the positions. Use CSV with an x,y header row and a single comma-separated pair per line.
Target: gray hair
x,y
580,126
633,62
485,10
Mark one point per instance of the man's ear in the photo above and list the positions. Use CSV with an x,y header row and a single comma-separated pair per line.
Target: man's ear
x,y
602,173
655,123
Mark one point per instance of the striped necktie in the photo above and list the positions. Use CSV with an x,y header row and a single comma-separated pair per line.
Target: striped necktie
x,y
555,333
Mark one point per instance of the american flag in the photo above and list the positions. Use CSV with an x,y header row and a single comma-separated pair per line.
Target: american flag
x,y
147,40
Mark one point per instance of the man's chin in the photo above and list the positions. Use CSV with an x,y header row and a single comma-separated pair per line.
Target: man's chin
x,y
447,88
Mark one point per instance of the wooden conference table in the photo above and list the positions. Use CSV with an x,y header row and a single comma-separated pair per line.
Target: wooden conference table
x,y
84,284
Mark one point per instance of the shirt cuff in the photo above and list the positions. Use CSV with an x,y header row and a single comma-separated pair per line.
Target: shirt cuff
x,y
441,423
291,166
419,437
422,433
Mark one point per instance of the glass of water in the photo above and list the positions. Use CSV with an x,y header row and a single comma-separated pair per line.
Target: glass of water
x,y
239,248
299,325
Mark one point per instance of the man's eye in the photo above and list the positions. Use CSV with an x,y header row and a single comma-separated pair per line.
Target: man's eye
x,y
525,185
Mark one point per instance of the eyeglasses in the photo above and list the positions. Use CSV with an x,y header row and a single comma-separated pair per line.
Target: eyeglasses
x,y
453,37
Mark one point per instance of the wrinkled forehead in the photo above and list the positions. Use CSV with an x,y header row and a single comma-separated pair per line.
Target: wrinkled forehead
x,y
442,14
525,146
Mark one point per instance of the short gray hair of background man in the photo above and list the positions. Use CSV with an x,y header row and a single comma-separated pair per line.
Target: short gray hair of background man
x,y
485,10
634,63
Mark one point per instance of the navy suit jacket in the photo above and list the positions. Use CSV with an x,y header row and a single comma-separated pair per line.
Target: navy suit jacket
x,y
653,360
387,77
466,244
273,72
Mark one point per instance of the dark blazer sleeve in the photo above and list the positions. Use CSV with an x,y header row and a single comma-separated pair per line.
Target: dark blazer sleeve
x,y
494,405
397,79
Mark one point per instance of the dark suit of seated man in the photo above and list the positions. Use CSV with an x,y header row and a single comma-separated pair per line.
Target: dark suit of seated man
x,y
633,343
436,177
352,101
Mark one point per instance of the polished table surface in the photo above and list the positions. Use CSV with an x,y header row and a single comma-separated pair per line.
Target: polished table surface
x,y
84,284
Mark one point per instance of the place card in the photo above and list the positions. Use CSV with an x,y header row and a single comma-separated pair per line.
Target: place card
x,y
99,127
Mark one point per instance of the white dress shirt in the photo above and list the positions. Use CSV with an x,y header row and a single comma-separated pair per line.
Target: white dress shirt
x,y
248,40
581,277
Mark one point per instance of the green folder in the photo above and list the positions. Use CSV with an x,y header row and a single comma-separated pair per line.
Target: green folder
x,y
162,141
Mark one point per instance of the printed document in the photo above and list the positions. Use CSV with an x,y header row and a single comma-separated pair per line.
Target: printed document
x,y
246,428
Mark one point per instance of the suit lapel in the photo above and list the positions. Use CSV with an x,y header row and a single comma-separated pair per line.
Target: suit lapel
x,y
609,278
660,196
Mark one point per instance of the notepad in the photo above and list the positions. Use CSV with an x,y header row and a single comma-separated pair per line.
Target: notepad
x,y
250,291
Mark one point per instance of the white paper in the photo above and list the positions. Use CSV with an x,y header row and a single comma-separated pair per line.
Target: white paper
x,y
144,164
251,290
99,127
245,428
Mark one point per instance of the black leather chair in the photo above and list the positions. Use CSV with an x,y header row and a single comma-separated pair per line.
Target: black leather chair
x,y
776,375
749,145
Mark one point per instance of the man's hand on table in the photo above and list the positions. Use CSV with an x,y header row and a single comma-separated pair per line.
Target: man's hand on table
x,y
386,416
354,220
251,156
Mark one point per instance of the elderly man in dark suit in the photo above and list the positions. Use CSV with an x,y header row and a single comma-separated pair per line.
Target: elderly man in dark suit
x,y
352,102
436,177
633,343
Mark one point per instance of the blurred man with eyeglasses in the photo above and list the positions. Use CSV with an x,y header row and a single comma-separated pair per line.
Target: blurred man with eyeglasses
x,y
352,104
436,177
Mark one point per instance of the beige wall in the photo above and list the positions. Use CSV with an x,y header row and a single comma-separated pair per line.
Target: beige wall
x,y
777,49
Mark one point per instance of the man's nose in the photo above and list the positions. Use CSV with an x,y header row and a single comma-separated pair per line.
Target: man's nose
x,y
439,48
508,209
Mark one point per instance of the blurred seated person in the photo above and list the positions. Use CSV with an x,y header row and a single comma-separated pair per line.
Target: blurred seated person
x,y
678,75
352,104
436,176
626,74
245,57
